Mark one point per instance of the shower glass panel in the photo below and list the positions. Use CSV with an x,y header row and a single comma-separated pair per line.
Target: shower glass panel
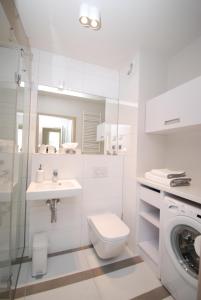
x,y
14,128
18,217
9,61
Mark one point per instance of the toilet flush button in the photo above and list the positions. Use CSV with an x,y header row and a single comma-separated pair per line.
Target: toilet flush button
x,y
100,172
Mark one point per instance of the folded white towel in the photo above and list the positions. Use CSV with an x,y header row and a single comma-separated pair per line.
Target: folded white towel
x,y
166,173
181,181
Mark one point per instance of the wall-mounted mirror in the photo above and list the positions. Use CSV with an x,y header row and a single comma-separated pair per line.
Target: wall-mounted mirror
x,y
72,122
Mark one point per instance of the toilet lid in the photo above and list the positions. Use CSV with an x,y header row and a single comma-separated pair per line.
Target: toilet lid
x,y
109,226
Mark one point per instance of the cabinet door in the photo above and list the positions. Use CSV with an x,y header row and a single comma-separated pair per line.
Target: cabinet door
x,y
162,113
177,108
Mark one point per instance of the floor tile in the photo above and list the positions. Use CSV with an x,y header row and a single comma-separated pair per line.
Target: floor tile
x,y
81,290
126,283
123,284
57,266
68,264
94,261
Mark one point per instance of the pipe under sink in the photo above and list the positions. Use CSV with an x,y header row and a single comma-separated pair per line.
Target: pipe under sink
x,y
52,203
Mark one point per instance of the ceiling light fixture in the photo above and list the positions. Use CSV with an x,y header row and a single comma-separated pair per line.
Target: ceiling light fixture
x,y
84,14
94,17
90,16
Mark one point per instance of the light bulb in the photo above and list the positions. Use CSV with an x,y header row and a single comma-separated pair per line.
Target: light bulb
x,y
84,20
94,16
94,24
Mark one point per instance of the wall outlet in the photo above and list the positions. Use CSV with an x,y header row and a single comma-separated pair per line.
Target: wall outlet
x,y
100,172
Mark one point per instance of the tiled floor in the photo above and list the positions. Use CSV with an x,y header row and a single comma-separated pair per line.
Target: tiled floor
x,y
66,264
123,284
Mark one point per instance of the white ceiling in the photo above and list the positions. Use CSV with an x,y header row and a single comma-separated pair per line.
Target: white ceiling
x,y
163,25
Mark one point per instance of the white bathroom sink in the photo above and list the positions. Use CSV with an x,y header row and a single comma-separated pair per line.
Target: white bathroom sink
x,y
53,190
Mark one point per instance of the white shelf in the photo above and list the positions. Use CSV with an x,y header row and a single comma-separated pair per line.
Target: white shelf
x,y
151,249
151,217
191,193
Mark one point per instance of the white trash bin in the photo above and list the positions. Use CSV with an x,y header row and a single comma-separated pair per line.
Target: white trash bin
x,y
39,254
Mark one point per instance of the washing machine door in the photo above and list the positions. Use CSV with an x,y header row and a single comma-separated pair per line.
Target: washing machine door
x,y
180,238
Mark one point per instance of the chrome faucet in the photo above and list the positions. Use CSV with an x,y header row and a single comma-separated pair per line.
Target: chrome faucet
x,y
55,175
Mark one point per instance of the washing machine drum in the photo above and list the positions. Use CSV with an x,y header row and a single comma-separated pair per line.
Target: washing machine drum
x,y
184,241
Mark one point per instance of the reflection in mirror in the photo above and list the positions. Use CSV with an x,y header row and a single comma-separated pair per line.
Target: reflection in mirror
x,y
74,123
55,131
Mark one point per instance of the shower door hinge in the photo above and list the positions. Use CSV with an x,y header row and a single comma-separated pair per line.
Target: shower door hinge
x,y
18,78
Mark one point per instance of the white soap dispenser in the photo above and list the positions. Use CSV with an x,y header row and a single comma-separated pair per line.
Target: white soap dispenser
x,y
40,174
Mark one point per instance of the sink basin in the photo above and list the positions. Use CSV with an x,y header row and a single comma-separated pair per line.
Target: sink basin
x,y
53,190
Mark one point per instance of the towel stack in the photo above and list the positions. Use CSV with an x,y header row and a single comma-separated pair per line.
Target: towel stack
x,y
168,177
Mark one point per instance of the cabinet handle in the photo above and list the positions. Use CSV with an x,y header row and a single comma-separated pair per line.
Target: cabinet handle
x,y
172,121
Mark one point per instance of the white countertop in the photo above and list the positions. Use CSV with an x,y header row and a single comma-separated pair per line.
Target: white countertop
x,y
191,192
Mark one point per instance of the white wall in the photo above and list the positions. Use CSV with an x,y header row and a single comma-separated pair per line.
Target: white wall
x,y
149,78
184,147
179,150
183,153
152,82
128,113
186,65
99,194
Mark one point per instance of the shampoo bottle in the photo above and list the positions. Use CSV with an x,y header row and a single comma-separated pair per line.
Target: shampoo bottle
x,y
40,174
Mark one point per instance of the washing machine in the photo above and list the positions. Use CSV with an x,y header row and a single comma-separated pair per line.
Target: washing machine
x,y
180,247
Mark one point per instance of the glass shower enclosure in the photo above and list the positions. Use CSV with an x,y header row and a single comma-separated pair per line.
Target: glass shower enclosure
x,y
14,131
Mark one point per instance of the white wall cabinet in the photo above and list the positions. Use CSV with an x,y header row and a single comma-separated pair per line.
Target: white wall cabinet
x,y
177,108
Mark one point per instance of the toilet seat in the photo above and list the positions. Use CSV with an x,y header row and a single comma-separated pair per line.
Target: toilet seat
x,y
109,227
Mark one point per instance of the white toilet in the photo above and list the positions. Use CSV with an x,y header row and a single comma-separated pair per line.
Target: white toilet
x,y
108,234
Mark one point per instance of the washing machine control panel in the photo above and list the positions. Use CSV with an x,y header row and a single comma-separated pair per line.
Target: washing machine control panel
x,y
184,209
189,211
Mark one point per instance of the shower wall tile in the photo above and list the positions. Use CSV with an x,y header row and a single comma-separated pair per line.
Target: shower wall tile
x,y
54,70
68,166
